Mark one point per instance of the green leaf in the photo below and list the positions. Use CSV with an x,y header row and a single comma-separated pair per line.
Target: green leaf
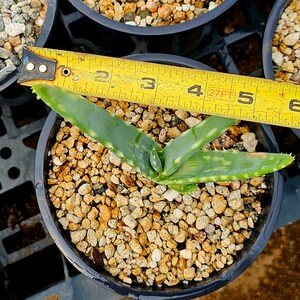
x,y
155,161
215,165
184,188
119,136
191,141
184,165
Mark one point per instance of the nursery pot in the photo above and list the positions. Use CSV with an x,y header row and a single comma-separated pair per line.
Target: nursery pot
x,y
252,248
180,38
10,74
268,37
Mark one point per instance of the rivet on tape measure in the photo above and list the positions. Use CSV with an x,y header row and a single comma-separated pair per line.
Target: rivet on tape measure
x,y
213,93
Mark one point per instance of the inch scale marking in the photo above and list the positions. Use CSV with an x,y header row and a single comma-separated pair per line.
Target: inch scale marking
x,y
213,93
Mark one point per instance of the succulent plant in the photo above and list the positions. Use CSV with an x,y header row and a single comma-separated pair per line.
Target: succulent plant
x,y
182,163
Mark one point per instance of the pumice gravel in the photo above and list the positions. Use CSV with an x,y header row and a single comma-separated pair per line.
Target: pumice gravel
x,y
140,231
152,12
286,44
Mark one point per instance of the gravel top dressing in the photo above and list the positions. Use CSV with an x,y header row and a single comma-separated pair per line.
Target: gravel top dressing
x,y
152,13
142,232
20,24
286,44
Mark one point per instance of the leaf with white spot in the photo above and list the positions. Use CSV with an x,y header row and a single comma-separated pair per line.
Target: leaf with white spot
x,y
184,188
206,166
119,136
191,141
181,164
155,161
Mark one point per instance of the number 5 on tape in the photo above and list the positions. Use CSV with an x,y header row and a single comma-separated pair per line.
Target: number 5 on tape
x,y
213,93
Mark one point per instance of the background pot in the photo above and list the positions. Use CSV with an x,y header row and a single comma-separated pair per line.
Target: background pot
x,y
10,76
268,37
261,234
180,39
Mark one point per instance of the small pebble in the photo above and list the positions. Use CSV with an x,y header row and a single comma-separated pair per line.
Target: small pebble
x,y
156,255
219,203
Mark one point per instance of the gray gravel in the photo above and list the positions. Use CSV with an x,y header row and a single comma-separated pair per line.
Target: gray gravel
x,y
20,24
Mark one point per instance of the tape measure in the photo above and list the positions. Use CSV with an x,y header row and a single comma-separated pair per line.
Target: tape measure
x,y
213,93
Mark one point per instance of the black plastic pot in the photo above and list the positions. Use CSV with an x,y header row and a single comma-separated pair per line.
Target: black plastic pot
x,y
268,37
12,76
180,39
253,247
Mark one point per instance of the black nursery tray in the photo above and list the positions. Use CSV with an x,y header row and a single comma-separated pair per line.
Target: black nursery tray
x,y
31,266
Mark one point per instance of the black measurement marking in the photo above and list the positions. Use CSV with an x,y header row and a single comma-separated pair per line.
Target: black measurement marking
x,y
294,105
149,83
195,89
101,75
245,97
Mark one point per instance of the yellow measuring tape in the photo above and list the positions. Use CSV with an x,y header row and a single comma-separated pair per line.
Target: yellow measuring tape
x,y
213,93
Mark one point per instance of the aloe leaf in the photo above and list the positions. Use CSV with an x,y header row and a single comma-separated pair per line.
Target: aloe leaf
x,y
214,165
155,160
191,141
119,136
184,188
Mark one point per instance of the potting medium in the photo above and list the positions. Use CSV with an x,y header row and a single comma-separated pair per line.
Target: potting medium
x,y
140,231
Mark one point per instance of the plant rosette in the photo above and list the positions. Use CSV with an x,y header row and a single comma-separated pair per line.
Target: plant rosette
x,y
134,234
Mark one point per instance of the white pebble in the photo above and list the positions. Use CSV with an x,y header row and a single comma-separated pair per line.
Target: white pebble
x,y
156,255
291,39
277,58
249,141
84,189
171,194
212,5
288,66
178,213
114,159
185,7
132,23
14,29
186,253
191,121
202,222
149,20
130,221
78,235
151,235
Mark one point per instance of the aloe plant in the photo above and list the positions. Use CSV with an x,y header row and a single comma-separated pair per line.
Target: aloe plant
x,y
182,163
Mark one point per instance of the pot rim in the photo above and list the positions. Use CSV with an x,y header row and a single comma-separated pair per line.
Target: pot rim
x,y
268,36
152,31
188,292
52,8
